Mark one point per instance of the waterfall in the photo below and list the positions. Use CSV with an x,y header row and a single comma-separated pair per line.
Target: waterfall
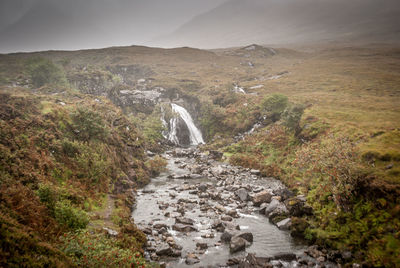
x,y
195,134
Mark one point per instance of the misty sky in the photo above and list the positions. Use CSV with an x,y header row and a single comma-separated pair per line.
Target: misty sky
x,y
34,25
30,24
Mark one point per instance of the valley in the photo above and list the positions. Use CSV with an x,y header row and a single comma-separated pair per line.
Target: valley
x,y
109,157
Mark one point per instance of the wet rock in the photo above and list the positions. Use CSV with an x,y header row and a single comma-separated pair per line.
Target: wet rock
x,y
215,154
183,228
285,257
247,236
110,232
164,250
242,194
276,208
258,189
284,224
176,253
147,231
263,206
170,240
201,246
237,244
218,171
202,187
226,236
255,172
284,193
233,213
251,261
218,225
182,220
297,207
158,226
148,191
154,257
226,218
261,197
232,262
163,206
208,236
191,259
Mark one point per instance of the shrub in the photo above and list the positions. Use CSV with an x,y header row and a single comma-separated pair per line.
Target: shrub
x,y
88,125
274,105
70,217
336,168
96,250
47,196
43,71
156,165
291,117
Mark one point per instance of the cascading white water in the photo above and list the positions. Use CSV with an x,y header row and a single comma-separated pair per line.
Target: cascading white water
x,y
195,135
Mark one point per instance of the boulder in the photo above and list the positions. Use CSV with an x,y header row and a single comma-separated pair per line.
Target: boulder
x,y
247,236
284,224
242,194
237,244
226,236
164,250
274,205
261,197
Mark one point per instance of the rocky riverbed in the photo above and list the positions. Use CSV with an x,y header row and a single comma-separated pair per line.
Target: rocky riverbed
x,y
203,213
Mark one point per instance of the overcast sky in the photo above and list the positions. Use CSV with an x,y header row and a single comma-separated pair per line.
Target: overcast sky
x,y
28,25
34,25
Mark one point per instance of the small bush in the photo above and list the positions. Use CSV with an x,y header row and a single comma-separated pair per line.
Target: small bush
x,y
274,105
96,250
88,125
47,196
156,165
292,116
70,217
43,71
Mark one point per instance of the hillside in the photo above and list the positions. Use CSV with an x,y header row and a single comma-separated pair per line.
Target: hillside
x,y
236,23
79,131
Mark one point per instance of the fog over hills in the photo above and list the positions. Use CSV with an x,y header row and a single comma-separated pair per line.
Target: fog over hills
x,y
30,25
238,22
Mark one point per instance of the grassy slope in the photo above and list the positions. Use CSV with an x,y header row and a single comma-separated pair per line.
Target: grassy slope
x,y
54,181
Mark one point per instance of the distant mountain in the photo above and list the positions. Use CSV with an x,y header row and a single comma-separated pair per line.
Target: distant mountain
x,y
239,22
77,24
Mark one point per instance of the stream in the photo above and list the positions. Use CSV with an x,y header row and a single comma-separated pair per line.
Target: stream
x,y
197,213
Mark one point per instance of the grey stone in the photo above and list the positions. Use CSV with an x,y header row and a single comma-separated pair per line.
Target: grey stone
x,y
237,244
